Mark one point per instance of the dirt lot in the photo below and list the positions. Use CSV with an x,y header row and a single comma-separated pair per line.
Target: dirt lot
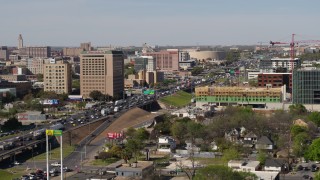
x,y
131,118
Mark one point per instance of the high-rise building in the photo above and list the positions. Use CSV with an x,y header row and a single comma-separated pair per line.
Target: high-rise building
x,y
35,65
276,63
151,63
36,52
85,46
4,54
184,56
102,71
306,86
140,63
166,60
20,42
57,77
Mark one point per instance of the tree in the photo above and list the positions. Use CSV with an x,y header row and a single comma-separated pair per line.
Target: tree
x,y
295,130
40,77
76,84
11,124
300,143
95,95
104,155
313,152
196,71
7,98
134,146
314,117
81,105
262,157
230,154
130,132
220,172
178,131
115,151
141,134
297,109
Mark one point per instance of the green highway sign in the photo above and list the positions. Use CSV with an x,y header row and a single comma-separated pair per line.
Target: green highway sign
x,y
50,132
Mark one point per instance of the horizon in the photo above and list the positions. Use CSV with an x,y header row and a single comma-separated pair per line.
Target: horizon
x,y
63,23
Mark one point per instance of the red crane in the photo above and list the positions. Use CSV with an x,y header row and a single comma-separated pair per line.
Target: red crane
x,y
292,44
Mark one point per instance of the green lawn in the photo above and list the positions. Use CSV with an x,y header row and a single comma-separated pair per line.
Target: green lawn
x,y
179,99
100,162
211,161
55,153
9,175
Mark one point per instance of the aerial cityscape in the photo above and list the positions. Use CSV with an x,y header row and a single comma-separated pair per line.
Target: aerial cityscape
x,y
208,90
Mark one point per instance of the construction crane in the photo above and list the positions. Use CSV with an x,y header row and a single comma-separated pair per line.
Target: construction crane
x,y
260,44
292,45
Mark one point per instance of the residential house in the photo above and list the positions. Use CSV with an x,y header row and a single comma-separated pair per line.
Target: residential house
x,y
213,146
264,143
138,170
245,166
235,134
166,144
277,165
250,139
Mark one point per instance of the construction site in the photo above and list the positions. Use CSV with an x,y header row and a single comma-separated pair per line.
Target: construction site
x,y
223,96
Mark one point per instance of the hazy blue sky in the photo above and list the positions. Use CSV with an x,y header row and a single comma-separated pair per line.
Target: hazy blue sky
x,y
161,22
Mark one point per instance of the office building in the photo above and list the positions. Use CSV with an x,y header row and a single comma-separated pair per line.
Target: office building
x,y
166,60
184,55
102,71
206,55
13,77
22,87
71,51
151,66
57,77
275,80
20,42
36,52
306,86
35,65
4,54
238,95
280,63
140,63
85,46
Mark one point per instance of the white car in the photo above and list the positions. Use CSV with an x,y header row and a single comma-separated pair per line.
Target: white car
x,y
56,164
17,163
177,156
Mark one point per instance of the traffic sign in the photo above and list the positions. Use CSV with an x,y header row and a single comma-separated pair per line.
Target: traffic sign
x,y
50,132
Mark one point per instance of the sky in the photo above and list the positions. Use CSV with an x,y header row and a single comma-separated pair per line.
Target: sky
x,y
156,22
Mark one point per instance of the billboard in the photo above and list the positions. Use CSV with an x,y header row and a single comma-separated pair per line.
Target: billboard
x,y
148,92
50,102
114,135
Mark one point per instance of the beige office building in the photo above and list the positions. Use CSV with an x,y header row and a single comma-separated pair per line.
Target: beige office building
x,y
102,71
57,77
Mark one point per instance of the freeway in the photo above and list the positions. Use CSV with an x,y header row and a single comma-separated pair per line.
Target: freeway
x,y
26,140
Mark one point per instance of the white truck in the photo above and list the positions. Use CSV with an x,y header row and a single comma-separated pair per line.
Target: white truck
x,y
116,109
118,102
105,112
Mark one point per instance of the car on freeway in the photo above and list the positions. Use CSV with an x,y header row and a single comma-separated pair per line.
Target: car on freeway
x,y
56,164
17,163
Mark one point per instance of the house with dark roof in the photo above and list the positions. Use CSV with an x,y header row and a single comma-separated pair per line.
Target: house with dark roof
x,y
264,143
250,139
275,165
